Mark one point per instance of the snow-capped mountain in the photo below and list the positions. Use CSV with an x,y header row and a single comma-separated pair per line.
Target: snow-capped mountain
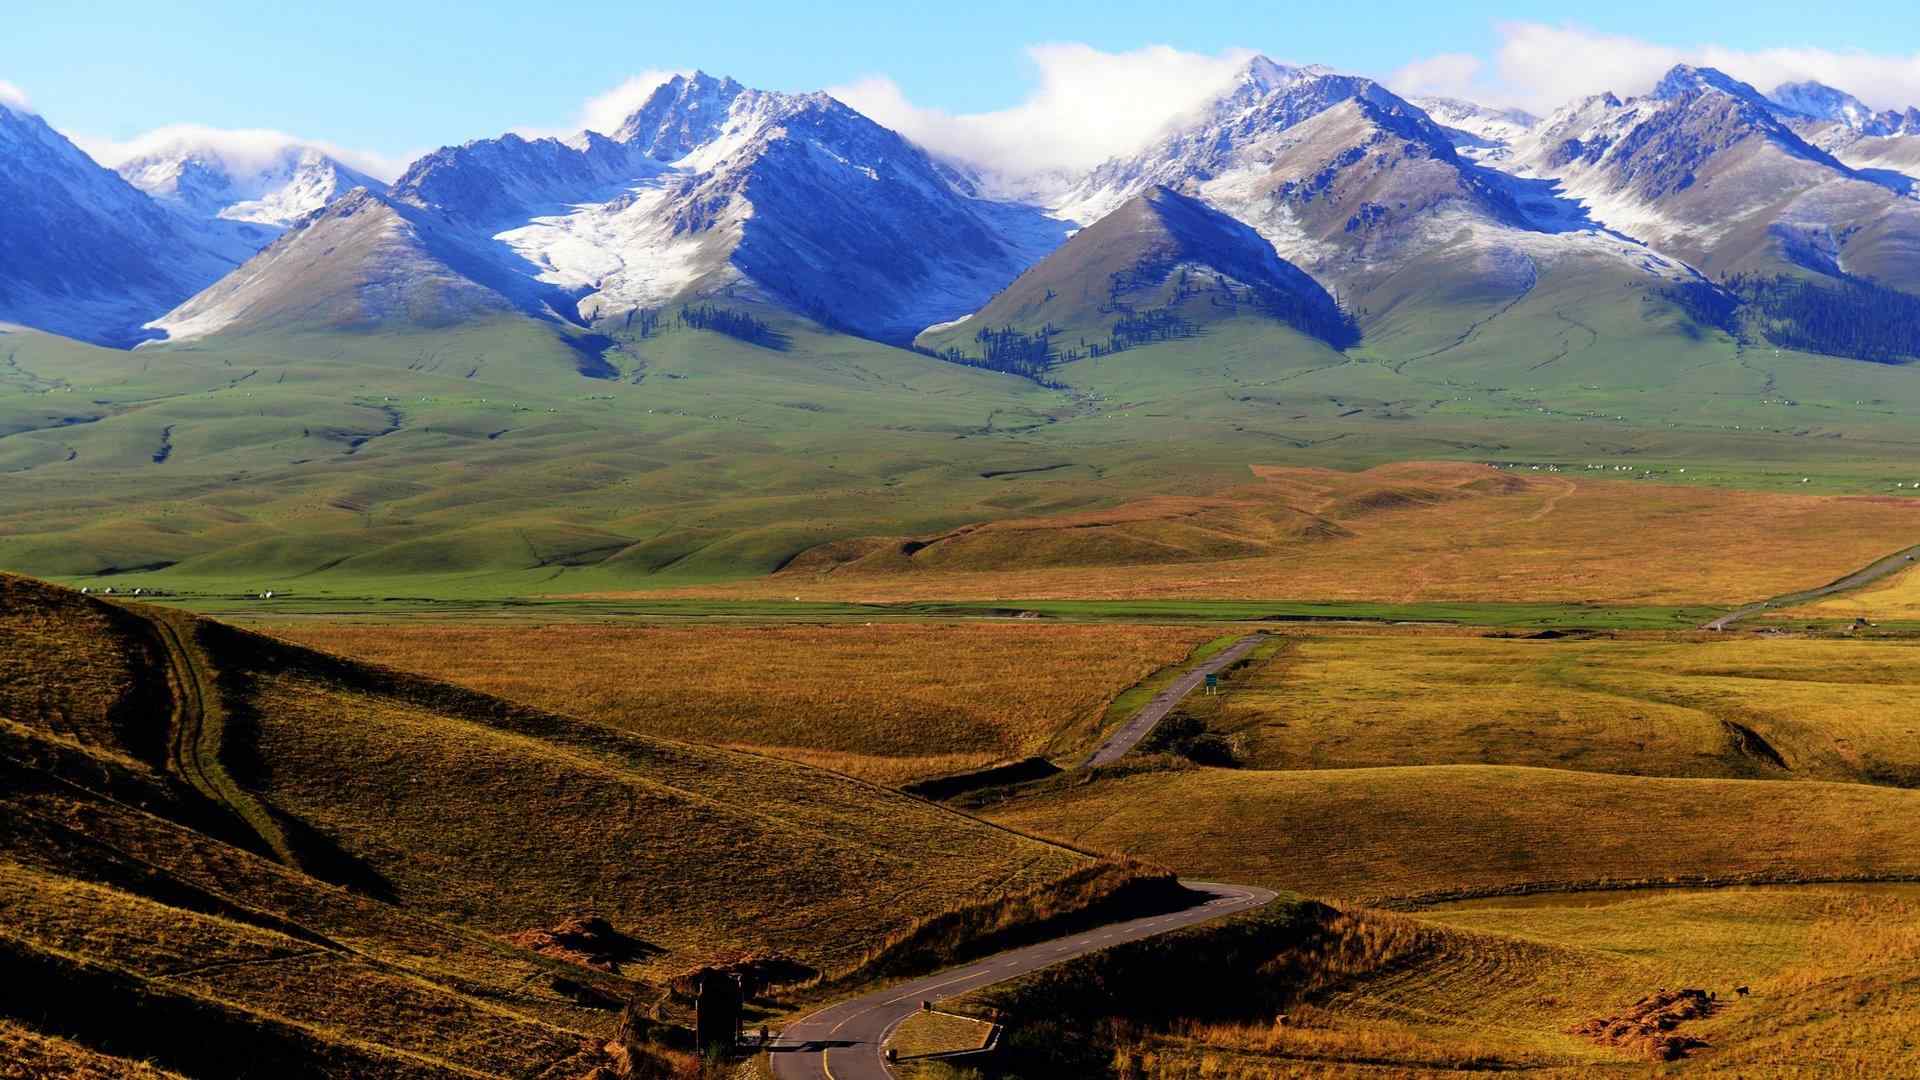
x,y
265,186
794,199
502,182
1366,192
361,261
1883,146
1159,249
712,188
1705,168
1479,132
239,195
1238,127
1819,102
82,252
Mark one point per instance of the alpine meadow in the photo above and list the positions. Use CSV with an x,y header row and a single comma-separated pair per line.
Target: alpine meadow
x,y
1164,564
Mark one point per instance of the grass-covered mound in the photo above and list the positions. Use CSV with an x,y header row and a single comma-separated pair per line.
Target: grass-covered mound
x,y
217,847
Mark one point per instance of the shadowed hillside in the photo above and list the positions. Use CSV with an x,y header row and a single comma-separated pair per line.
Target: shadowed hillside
x,y
268,853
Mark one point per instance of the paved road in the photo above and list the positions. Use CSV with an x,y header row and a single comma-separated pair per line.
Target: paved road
x,y
1892,564
843,1042
1156,710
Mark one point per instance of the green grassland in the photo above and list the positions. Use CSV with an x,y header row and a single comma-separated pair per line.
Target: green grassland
x,y
481,461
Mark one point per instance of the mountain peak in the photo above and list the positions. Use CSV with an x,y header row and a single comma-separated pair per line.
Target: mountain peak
x,y
256,177
1809,98
1266,75
683,113
1685,79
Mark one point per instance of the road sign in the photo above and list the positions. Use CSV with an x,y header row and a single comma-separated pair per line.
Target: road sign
x,y
1213,683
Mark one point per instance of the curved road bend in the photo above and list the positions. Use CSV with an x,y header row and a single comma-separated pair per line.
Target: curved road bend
x,y
1156,710
1892,564
843,1041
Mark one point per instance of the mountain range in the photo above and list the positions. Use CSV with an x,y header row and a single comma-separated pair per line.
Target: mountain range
x,y
1309,196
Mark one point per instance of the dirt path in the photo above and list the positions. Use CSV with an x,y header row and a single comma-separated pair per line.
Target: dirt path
x,y
195,730
1886,567
1156,710
845,1041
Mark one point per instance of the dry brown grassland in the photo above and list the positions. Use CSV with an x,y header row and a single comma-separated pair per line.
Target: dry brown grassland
x,y
886,703
1648,704
1397,533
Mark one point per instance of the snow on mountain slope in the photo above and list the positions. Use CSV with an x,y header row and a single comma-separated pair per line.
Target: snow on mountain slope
x,y
1704,168
1481,133
1819,102
209,177
1238,126
493,183
795,198
1369,194
82,252
1159,249
361,261
239,190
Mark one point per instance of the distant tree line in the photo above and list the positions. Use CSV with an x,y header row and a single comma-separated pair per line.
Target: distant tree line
x,y
1008,350
734,324
644,321
1145,328
1848,316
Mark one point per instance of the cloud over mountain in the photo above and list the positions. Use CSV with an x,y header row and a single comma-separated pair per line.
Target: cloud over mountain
x,y
13,97
1541,66
1086,106
241,149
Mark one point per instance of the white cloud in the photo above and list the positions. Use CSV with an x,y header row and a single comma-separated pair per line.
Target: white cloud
x,y
13,97
605,112
242,150
1541,67
1087,106
1445,75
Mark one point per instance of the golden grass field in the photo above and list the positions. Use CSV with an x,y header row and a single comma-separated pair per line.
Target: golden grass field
x,y
1496,988
1894,599
1396,533
1653,705
1396,833
425,827
887,703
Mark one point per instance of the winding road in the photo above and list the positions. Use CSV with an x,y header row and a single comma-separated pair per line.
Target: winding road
x,y
1892,564
1156,710
844,1041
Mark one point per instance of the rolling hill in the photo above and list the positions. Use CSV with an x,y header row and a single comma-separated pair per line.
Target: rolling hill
x,y
219,847
1156,267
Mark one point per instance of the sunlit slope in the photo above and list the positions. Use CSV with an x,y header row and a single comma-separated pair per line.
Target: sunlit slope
x,y
1305,989
1402,832
1410,532
1731,707
275,852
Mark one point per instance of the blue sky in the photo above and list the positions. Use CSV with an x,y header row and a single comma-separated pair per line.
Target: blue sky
x,y
395,79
